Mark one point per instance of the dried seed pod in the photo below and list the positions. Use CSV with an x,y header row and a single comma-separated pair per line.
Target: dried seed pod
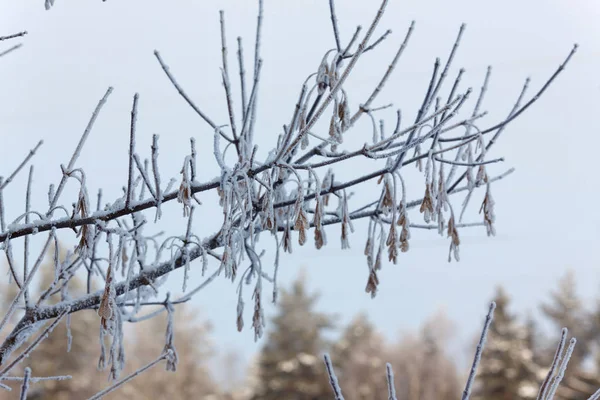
x,y
320,238
392,243
481,177
287,238
372,283
487,207
377,265
454,241
184,195
344,113
240,314
172,358
405,233
106,309
301,225
258,320
346,222
427,205
388,194
417,153
323,76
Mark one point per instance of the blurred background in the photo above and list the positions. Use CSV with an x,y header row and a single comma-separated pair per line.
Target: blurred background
x,y
542,267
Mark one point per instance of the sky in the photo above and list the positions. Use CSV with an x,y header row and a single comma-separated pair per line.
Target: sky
x,y
547,220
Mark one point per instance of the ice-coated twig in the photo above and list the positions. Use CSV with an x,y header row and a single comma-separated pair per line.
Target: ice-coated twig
x,y
80,145
374,44
333,381
486,326
11,49
342,78
227,83
334,24
553,367
26,240
240,56
14,35
11,309
560,374
31,153
131,376
249,113
4,355
257,67
471,164
156,173
390,382
183,94
386,75
145,176
254,191
2,218
25,385
35,379
129,195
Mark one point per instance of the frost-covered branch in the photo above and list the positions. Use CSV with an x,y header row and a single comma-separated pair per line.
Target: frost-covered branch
x,y
289,191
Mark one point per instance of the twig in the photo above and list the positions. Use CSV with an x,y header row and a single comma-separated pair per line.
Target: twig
x,y
187,99
486,326
25,385
226,82
555,361
386,75
123,381
240,54
14,35
132,127
26,241
342,78
11,49
390,382
23,163
33,345
77,151
145,176
333,381
334,24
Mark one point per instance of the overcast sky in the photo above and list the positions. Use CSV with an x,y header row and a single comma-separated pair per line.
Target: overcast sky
x,y
547,218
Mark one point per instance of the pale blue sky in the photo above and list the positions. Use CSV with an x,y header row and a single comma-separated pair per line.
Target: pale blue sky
x,y
546,212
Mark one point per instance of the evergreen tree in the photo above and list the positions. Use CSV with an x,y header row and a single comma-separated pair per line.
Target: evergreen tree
x,y
290,364
191,379
359,360
508,369
72,347
423,369
565,309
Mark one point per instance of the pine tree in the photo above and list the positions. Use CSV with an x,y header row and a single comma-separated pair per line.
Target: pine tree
x,y
565,309
290,364
508,369
72,347
423,368
80,334
359,360
192,379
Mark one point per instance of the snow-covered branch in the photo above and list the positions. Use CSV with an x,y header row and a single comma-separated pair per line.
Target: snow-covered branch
x,y
288,190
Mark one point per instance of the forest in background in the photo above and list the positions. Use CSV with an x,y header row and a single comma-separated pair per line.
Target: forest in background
x,y
289,365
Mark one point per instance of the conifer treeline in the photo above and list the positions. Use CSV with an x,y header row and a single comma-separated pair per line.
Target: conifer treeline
x,y
289,364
